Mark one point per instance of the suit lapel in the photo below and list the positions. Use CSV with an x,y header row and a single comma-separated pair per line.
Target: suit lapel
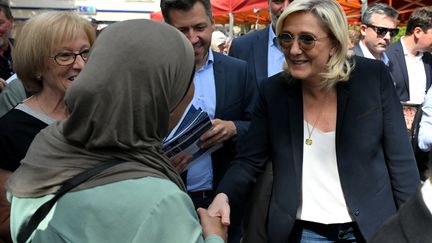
x,y
260,55
427,61
342,101
295,117
220,83
400,57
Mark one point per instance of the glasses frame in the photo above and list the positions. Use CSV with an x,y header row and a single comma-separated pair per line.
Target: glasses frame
x,y
62,63
382,31
302,43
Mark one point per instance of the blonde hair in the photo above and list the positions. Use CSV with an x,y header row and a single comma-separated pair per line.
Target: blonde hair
x,y
38,39
335,24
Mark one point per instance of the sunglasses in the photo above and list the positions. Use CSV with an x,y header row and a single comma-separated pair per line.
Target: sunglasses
x,y
305,41
382,31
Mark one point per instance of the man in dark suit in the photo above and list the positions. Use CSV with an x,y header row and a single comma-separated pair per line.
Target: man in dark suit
x,y
413,221
410,60
260,48
378,28
411,67
224,88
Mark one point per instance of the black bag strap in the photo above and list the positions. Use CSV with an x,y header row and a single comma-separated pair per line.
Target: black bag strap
x,y
26,230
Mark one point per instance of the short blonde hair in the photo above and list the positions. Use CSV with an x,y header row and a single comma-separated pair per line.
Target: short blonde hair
x,y
335,24
38,39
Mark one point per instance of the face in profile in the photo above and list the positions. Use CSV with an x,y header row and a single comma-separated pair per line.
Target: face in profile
x,y
306,46
5,28
61,68
197,27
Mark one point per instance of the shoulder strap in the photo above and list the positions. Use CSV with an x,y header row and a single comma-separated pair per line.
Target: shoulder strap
x,y
27,229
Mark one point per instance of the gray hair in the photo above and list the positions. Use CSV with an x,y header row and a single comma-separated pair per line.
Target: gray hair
x,y
379,8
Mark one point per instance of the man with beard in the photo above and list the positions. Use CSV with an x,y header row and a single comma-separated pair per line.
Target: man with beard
x,y
223,88
260,48
379,26
6,22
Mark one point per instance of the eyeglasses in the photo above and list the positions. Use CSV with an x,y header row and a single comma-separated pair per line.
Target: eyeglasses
x,y
382,31
305,41
66,58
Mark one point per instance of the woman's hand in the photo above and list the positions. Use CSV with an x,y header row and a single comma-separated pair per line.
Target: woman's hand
x,y
212,225
2,84
220,208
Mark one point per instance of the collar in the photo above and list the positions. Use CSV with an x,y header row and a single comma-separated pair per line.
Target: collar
x,y
368,54
272,38
405,50
208,62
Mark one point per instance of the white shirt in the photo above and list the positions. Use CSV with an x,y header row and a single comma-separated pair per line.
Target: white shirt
x,y
427,194
322,196
368,54
416,76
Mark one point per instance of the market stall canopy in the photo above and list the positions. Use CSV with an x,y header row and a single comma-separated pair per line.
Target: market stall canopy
x,y
242,11
256,11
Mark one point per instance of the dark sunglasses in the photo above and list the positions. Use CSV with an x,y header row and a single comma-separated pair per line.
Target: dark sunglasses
x,y
305,41
382,31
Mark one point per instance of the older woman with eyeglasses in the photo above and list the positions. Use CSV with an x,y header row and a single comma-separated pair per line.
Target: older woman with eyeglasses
x,y
49,52
332,125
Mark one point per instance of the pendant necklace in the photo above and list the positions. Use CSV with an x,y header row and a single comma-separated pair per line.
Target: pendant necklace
x,y
308,140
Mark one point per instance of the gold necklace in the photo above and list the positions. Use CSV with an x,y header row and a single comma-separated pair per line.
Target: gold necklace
x,y
308,140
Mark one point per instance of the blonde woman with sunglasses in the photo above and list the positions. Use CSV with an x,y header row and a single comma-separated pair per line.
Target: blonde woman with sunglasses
x,y
333,127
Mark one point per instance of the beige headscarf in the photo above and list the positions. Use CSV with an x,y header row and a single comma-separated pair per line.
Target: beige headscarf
x,y
138,71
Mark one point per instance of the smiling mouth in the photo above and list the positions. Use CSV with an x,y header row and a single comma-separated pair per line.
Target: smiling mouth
x,y
298,62
72,78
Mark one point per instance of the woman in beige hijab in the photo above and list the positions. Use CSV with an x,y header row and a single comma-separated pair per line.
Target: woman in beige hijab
x,y
138,72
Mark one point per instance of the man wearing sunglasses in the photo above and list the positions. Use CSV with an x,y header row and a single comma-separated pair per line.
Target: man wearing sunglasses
x,y
377,30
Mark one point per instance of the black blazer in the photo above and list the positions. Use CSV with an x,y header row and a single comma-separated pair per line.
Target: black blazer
x,y
376,164
253,48
399,72
412,224
236,94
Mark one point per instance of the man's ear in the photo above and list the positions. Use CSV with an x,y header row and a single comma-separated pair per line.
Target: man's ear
x,y
212,21
418,32
363,29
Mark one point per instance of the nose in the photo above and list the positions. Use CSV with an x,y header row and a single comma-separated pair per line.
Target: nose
x,y
192,36
387,36
295,48
79,63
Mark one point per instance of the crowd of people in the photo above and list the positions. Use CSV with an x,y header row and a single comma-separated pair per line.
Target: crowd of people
x,y
310,121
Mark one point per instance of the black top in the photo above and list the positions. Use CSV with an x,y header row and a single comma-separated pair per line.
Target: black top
x,y
17,131
6,64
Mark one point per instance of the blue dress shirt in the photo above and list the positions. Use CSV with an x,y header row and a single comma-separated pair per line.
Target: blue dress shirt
x,y
200,174
425,131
